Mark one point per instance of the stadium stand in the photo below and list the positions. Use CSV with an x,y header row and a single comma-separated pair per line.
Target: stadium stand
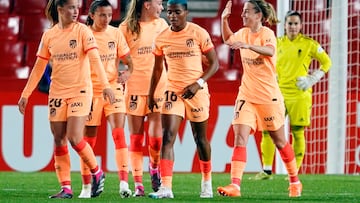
x,y
32,27
116,5
22,23
9,27
4,6
26,7
12,58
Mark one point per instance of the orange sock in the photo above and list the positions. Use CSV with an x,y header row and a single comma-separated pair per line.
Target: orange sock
x,y
87,155
136,156
84,169
121,153
154,150
121,156
238,163
62,165
205,168
166,171
288,156
85,173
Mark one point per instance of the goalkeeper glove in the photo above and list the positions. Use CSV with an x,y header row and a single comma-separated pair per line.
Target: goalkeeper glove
x,y
305,82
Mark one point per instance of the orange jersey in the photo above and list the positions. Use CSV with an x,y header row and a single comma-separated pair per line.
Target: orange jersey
x,y
142,57
258,83
112,45
67,49
183,52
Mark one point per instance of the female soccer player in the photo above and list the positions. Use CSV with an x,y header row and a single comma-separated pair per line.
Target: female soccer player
x,y
259,103
72,49
140,27
295,53
112,47
182,46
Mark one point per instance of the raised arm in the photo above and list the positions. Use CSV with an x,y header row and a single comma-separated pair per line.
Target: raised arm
x,y
225,28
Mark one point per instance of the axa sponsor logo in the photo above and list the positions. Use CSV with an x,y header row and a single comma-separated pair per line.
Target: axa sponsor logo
x,y
77,104
118,100
271,118
201,109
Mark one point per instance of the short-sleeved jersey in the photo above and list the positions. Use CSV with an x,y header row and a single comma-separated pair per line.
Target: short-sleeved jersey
x,y
67,49
258,84
183,52
142,57
112,46
294,59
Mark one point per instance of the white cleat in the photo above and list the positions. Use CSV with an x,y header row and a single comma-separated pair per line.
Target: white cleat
x,y
85,191
163,192
124,191
206,189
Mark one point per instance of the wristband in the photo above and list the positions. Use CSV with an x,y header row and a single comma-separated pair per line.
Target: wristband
x,y
201,82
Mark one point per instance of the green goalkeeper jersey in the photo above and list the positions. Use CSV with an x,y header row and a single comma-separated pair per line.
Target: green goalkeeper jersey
x,y
293,60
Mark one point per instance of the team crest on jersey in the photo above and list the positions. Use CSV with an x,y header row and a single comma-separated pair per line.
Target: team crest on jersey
x,y
111,45
52,112
236,115
72,43
190,43
168,105
132,106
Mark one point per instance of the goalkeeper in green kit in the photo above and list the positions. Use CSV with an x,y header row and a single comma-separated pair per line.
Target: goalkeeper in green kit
x,y
295,52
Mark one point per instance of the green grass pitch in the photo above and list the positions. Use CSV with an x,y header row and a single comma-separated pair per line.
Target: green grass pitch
x,y
36,187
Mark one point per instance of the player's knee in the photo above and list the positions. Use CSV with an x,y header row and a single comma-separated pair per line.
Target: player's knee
x,y
297,128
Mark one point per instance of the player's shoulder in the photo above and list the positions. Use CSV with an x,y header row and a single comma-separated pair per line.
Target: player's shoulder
x,y
164,33
161,21
82,28
123,27
196,27
123,24
267,29
306,38
197,30
112,28
280,38
79,25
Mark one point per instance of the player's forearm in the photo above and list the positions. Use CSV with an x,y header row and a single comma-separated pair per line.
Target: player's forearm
x,y
213,65
325,63
263,50
95,62
157,71
35,76
225,29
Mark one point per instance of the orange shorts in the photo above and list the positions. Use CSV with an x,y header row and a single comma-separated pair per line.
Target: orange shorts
x,y
259,116
62,108
136,105
99,104
196,109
